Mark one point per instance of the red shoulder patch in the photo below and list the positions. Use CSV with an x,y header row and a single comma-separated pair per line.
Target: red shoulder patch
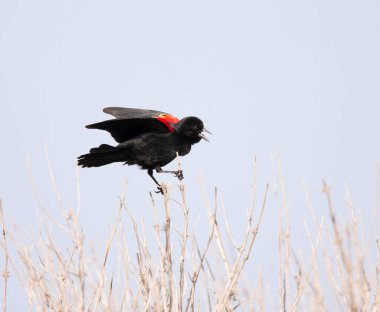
x,y
167,120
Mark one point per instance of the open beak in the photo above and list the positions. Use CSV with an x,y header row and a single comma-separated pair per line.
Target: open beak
x,y
203,136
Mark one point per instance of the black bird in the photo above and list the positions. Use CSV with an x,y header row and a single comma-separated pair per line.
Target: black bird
x,y
147,138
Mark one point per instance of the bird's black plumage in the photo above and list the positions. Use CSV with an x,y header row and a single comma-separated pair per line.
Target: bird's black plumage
x,y
147,138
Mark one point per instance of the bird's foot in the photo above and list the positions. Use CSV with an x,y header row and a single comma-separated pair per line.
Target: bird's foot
x,y
161,189
179,175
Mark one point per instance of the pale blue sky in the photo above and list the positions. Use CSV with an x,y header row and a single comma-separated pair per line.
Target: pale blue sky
x,y
298,78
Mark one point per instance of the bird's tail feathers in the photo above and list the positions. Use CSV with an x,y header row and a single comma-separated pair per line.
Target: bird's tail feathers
x,y
99,156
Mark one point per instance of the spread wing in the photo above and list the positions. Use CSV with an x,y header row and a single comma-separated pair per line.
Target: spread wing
x,y
131,122
128,113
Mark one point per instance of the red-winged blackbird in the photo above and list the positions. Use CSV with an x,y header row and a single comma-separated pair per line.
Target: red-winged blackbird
x,y
147,138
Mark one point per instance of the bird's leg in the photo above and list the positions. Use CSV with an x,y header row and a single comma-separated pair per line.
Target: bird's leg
x,y
177,173
160,190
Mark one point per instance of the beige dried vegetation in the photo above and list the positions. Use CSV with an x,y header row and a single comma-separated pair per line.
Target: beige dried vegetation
x,y
341,270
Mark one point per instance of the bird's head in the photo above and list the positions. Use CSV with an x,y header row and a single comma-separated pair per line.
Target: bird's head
x,y
192,128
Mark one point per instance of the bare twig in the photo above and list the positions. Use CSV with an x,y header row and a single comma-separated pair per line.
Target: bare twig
x,y
242,257
342,253
183,248
4,245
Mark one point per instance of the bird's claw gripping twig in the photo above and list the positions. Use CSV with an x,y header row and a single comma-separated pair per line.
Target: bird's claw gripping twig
x,y
160,189
179,174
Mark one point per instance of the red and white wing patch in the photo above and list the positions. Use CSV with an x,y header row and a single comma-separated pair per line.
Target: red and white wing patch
x,y
167,120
